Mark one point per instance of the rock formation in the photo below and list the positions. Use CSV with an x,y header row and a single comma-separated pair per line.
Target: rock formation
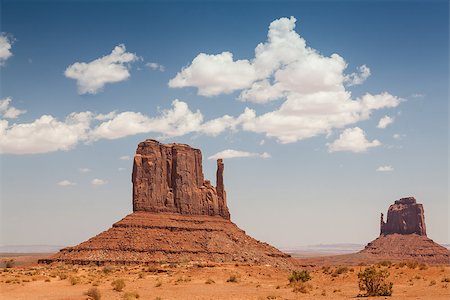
x,y
169,178
403,236
405,216
178,216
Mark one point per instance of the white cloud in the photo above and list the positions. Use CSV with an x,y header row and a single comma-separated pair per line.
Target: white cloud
x,y
358,78
311,85
97,181
45,134
84,170
179,120
385,168
125,157
121,169
215,74
155,66
230,153
385,121
91,77
7,111
5,48
66,183
48,134
352,140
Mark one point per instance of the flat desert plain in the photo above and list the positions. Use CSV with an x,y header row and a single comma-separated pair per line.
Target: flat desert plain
x,y
28,280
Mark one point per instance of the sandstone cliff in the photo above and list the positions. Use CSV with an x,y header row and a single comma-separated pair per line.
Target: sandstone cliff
x,y
178,216
405,216
169,178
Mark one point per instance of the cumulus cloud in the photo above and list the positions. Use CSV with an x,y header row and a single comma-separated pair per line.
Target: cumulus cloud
x,y
155,66
45,134
97,181
215,74
5,48
66,183
84,170
386,168
358,78
385,121
7,111
230,153
179,120
48,134
312,87
352,140
91,77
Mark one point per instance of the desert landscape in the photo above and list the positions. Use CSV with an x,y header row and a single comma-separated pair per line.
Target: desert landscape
x,y
179,243
186,149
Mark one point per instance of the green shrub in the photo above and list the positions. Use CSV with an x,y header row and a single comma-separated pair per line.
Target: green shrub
x,y
372,281
94,293
297,276
118,285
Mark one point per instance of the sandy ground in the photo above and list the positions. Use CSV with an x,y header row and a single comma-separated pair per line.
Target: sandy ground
x,y
208,281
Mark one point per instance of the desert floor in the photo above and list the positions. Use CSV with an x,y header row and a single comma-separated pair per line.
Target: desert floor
x,y
28,280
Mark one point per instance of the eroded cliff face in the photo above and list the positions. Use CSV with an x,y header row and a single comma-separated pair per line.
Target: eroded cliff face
x,y
405,216
169,178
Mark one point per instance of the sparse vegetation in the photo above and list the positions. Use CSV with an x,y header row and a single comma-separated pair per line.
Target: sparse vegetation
x,y
74,280
412,264
299,276
373,282
118,285
10,263
302,287
94,293
233,278
209,281
108,269
130,296
445,279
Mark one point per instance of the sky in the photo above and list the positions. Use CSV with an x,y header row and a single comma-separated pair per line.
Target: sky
x,y
325,112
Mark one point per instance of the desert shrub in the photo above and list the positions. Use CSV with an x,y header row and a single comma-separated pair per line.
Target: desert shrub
x,y
62,276
339,270
158,284
373,282
298,276
9,263
94,293
74,280
326,269
209,281
423,266
385,263
412,264
432,282
118,285
402,264
232,278
445,279
130,296
108,269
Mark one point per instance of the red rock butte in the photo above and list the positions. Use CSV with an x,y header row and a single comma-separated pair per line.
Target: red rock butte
x,y
178,216
403,236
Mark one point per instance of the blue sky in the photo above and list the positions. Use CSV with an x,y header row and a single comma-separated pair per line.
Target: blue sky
x,y
305,122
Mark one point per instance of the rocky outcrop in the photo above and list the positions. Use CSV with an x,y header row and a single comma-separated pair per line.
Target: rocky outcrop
x,y
178,216
403,237
405,216
169,178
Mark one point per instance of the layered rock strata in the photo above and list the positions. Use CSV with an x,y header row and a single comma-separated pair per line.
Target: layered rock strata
x,y
178,216
403,236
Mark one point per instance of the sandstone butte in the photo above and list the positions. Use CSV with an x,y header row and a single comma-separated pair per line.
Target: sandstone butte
x,y
178,216
403,236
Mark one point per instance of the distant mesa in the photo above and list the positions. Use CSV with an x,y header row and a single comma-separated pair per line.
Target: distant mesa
x,y
178,216
403,236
